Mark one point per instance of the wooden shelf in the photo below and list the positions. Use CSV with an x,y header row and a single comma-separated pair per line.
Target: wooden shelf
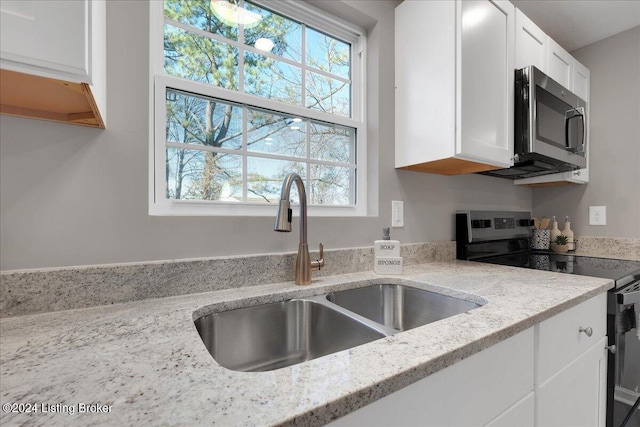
x,y
26,95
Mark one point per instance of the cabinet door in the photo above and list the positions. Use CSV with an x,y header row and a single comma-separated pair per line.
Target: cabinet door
x,y
531,43
576,396
46,38
472,392
521,414
559,339
559,64
485,125
580,81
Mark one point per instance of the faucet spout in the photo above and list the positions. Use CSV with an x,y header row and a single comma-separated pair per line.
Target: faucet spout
x,y
283,223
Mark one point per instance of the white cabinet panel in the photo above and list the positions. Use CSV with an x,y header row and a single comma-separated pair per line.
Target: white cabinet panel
x,y
48,38
576,396
571,366
580,80
53,60
487,85
560,340
521,414
425,88
454,85
559,64
531,43
472,392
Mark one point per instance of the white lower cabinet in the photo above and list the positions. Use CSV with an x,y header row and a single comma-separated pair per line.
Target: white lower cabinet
x,y
472,392
576,396
520,414
553,374
571,366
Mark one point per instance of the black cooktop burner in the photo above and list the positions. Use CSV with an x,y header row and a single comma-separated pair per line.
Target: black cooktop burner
x,y
619,270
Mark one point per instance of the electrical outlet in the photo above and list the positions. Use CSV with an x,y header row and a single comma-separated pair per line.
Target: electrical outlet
x,y
597,215
397,213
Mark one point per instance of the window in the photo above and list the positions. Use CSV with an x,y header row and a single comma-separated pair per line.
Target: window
x,y
247,92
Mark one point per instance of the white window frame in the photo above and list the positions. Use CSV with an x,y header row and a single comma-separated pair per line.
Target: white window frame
x,y
159,82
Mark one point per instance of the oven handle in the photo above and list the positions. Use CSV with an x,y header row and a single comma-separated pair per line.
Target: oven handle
x,y
626,298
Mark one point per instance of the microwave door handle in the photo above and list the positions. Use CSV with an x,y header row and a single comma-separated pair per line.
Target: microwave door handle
x,y
570,115
584,132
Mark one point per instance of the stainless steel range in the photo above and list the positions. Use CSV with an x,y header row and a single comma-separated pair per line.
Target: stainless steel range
x,y
502,237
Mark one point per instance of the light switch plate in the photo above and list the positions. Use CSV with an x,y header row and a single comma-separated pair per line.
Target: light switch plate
x,y
597,215
397,213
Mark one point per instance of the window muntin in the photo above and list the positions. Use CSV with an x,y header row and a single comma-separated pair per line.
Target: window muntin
x,y
219,149
209,139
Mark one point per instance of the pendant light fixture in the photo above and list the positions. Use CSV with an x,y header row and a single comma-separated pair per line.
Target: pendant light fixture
x,y
233,15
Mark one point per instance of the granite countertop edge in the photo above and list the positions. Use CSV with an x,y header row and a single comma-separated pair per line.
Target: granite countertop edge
x,y
146,362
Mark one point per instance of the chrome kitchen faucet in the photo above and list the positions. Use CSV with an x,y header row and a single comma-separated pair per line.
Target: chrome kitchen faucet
x,y
304,265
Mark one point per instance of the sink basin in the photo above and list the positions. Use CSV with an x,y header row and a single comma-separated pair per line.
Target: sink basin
x,y
272,336
400,307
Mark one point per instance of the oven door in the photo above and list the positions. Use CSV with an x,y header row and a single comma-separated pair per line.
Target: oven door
x,y
624,375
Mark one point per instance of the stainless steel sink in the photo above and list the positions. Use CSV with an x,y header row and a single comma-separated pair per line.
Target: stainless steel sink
x,y
400,307
272,336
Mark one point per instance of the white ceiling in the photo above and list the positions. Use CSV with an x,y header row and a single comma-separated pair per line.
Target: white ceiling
x,y
578,23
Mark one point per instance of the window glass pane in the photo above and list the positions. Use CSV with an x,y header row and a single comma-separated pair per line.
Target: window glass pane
x,y
272,79
328,54
203,121
276,34
328,95
330,185
276,134
202,15
265,176
203,175
207,51
331,143
198,58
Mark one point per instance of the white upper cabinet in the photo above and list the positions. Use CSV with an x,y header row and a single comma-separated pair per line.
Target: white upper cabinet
x,y
46,38
52,56
559,64
531,43
454,86
580,80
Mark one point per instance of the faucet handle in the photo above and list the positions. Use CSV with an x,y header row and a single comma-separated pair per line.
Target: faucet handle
x,y
319,263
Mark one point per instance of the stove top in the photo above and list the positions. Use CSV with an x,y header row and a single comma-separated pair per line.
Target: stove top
x,y
622,271
502,237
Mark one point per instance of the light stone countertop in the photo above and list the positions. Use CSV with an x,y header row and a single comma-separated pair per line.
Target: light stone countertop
x,y
145,360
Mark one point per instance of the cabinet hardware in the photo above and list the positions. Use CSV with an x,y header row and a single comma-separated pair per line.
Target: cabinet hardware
x,y
587,331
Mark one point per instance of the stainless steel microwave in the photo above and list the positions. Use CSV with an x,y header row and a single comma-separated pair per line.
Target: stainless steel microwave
x,y
550,127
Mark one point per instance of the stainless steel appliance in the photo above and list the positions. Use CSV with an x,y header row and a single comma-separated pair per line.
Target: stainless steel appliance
x,y
502,237
550,127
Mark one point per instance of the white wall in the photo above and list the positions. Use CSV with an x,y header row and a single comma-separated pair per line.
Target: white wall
x,y
614,169
76,196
